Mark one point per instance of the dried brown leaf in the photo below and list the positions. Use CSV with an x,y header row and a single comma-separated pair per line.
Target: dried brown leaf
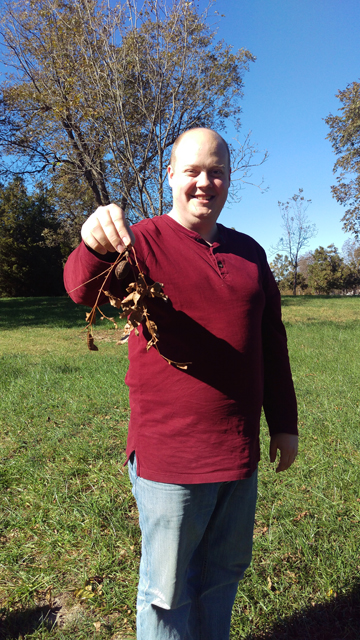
x,y
131,300
178,365
115,302
90,343
90,316
301,515
155,291
136,317
151,342
141,287
125,334
151,326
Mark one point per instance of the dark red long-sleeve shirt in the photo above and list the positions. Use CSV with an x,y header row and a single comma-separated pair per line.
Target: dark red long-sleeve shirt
x,y
223,315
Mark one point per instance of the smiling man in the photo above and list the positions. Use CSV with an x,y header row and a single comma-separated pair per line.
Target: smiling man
x,y
193,443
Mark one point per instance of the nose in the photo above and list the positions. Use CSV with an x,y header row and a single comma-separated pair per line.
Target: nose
x,y
203,179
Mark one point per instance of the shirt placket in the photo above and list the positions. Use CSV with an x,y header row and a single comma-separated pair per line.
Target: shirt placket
x,y
219,260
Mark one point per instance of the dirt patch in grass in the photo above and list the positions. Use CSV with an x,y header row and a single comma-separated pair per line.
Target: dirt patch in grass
x,y
60,612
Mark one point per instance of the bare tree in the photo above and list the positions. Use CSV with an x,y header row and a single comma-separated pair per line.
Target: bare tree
x,y
297,231
99,93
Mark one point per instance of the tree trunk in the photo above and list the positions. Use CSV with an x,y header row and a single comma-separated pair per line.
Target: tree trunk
x,y
295,280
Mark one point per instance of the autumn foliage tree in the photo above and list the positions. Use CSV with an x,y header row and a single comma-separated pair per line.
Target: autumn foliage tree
x,y
98,93
344,136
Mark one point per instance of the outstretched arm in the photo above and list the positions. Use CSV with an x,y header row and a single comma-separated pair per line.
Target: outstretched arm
x,y
288,447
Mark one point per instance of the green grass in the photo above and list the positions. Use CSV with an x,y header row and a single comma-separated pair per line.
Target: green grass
x,y
69,541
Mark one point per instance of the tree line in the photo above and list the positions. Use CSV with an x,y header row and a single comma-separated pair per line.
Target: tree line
x,y
35,242
323,271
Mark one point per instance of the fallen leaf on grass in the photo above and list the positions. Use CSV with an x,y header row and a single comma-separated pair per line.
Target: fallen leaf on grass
x,y
301,515
93,587
85,593
292,575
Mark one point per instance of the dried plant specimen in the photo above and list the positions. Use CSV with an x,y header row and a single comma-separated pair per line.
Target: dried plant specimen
x,y
133,306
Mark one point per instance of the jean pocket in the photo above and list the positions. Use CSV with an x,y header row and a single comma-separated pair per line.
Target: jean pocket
x,y
132,471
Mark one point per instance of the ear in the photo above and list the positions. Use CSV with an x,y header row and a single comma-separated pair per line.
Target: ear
x,y
170,173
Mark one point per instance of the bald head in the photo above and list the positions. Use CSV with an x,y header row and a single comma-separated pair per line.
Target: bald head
x,y
199,135
199,176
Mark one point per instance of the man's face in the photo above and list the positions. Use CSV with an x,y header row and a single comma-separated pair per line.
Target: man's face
x,y
200,179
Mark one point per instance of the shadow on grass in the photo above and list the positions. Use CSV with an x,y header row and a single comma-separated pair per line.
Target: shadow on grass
x,y
338,619
19,624
59,312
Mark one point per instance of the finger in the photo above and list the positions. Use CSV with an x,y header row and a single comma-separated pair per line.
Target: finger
x,y
95,244
285,462
112,227
273,450
124,233
95,232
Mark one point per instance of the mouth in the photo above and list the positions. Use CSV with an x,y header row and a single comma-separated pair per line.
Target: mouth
x,y
202,198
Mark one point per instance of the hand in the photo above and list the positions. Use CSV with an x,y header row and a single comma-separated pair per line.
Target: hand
x,y
288,447
107,230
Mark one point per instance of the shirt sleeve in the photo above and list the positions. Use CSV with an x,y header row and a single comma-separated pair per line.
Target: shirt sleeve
x,y
279,402
86,271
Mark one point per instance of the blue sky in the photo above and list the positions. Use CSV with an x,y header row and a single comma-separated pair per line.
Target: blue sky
x,y
306,51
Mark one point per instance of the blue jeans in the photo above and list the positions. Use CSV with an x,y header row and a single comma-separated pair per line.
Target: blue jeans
x,y
196,545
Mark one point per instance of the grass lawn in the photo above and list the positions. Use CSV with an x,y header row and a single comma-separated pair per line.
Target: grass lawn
x,y
69,540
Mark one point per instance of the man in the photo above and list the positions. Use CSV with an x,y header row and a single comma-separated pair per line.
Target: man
x,y
193,444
